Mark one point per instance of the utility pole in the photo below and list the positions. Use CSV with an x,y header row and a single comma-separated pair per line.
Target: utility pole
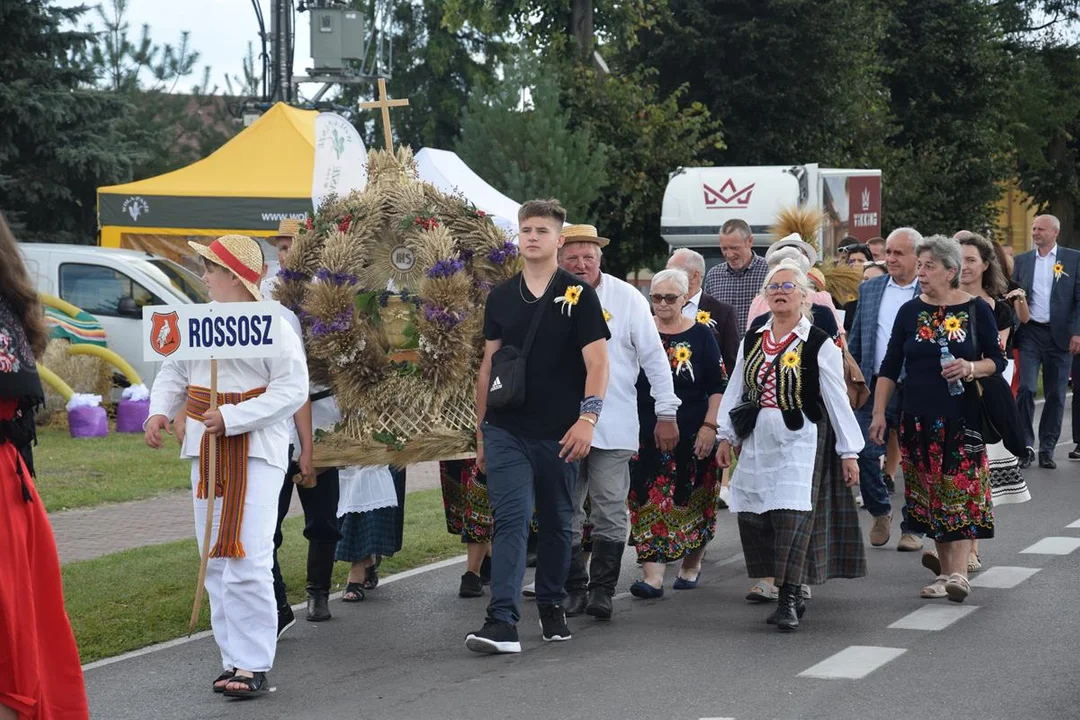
x,y
280,51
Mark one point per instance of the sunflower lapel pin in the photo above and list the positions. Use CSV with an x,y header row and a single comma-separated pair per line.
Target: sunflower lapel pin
x,y
569,298
607,315
681,357
954,327
704,317
790,362
1059,271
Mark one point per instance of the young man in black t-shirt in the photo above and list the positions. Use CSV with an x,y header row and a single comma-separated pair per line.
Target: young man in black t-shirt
x,y
531,452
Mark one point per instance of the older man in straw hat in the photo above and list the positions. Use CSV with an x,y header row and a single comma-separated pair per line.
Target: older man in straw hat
x,y
256,398
605,473
287,231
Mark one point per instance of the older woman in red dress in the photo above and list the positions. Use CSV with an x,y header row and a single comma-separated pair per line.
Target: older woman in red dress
x,y
40,675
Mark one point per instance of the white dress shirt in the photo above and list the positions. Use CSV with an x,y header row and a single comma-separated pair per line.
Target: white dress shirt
x,y
765,479
1042,285
691,307
634,345
895,295
265,418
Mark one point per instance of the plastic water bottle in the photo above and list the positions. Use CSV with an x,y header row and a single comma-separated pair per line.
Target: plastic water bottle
x,y
956,387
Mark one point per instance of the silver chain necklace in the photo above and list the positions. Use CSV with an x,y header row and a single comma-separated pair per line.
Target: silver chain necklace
x,y
521,290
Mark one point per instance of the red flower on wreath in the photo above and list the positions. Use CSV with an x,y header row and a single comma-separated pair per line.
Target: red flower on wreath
x,y
344,223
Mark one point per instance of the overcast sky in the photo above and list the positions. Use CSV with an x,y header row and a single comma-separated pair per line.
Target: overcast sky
x,y
220,30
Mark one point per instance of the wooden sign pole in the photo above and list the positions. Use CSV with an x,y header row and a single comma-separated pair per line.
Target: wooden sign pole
x,y
211,485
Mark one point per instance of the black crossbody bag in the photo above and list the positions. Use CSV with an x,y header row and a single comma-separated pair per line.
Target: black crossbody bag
x,y
997,407
744,415
506,384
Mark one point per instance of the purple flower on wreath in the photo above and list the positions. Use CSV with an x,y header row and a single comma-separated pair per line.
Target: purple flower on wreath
x,y
338,279
501,255
339,323
466,255
384,298
293,275
446,268
439,316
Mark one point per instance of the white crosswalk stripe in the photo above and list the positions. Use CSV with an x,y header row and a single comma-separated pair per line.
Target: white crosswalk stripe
x,y
1002,577
1053,546
933,617
853,663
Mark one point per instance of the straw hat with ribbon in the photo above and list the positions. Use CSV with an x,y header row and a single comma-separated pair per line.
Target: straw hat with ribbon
x,y
287,229
238,254
583,234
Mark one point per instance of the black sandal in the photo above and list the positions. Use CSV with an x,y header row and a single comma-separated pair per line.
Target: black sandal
x,y
227,675
356,589
255,686
371,574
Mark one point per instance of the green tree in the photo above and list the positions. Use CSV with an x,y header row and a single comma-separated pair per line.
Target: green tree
x,y
517,136
59,139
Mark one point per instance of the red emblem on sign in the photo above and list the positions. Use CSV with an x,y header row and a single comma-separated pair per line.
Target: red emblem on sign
x,y
728,196
165,333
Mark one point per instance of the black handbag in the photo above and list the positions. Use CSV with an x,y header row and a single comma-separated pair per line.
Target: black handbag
x,y
506,384
744,415
997,406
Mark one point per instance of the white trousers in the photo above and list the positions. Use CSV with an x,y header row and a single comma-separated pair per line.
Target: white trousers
x,y
243,612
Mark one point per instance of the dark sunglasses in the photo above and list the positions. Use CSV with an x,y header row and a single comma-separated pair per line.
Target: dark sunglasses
x,y
669,299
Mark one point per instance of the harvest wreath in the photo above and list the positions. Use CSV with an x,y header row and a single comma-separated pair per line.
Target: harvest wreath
x,y
389,284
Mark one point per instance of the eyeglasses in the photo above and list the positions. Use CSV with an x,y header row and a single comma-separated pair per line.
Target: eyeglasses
x,y
669,299
785,287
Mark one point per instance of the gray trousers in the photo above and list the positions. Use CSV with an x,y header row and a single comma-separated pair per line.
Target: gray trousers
x,y
605,479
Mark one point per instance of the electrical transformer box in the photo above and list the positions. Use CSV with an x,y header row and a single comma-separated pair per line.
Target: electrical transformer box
x,y
337,36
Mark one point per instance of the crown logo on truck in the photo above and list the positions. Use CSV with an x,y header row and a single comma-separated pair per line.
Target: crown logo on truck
x,y
728,196
866,200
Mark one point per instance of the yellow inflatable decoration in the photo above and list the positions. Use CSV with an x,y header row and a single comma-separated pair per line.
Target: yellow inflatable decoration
x,y
61,305
108,356
53,380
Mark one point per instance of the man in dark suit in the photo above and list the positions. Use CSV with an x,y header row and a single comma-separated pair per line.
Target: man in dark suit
x,y
722,313
1048,275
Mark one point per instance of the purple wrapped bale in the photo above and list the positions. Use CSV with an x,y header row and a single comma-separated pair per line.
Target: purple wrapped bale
x,y
131,414
86,422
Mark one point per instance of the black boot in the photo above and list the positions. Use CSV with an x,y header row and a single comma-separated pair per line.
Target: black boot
x,y
577,584
800,608
320,569
603,577
787,615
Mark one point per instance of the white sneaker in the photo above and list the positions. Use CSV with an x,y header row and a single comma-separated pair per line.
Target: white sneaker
x,y
858,500
725,494
529,590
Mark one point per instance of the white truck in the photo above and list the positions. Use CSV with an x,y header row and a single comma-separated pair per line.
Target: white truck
x,y
699,200
113,285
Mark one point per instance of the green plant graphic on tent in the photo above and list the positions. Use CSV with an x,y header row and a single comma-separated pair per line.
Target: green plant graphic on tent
x,y
339,144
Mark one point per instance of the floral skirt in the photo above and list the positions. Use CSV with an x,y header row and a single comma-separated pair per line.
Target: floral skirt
x,y
673,500
465,499
947,479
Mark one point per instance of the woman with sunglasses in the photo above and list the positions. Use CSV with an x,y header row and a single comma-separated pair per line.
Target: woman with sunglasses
x,y
673,496
787,379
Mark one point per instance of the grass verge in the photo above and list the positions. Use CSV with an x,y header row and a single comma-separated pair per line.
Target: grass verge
x,y
82,473
132,599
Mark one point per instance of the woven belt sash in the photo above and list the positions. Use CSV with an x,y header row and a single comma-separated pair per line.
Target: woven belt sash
x,y
231,481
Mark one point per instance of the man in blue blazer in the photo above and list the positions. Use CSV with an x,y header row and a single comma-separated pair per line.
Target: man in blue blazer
x,y
879,301
1049,277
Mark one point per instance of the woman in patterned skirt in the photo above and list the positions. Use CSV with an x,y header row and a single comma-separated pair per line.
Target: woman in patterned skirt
x,y
468,515
946,473
673,496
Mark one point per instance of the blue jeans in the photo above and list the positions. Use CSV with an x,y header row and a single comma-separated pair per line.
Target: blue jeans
x,y
872,485
1037,347
522,472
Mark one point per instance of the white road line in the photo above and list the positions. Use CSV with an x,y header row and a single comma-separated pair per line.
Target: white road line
x,y
299,606
717,718
933,617
1002,577
1075,525
853,663
1053,546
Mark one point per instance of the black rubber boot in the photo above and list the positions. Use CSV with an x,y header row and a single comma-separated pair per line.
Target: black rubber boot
x,y
577,584
603,577
320,569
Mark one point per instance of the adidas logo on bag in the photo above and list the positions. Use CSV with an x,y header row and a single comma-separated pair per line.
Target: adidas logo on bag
x,y
496,384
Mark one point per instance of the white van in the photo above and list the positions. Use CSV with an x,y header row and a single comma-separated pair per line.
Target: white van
x,y
113,285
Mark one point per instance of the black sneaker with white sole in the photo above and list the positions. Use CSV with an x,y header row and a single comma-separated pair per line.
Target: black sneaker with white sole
x,y
285,620
1075,454
553,623
494,638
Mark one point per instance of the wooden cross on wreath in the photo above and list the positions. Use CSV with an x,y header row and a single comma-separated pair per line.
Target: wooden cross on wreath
x,y
384,103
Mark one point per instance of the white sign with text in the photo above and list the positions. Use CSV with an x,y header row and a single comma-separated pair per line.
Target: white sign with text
x,y
211,331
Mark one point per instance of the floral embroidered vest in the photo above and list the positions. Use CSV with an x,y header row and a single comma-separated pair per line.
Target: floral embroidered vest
x,y
798,385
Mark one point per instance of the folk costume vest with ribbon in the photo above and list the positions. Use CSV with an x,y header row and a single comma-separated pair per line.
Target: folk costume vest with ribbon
x,y
792,383
20,390
231,481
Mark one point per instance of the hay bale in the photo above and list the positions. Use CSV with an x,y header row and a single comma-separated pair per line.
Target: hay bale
x,y
84,373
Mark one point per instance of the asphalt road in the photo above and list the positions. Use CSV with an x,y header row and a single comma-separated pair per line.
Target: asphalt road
x,y
706,653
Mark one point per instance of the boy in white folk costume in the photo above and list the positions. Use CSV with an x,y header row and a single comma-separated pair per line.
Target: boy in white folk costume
x,y
256,398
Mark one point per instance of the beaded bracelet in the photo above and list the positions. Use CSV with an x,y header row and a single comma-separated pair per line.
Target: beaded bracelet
x,y
593,405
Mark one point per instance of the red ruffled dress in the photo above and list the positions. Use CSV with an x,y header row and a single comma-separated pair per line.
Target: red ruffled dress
x,y
40,674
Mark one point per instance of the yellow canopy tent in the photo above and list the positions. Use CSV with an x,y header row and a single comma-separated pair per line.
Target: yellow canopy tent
x,y
247,186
